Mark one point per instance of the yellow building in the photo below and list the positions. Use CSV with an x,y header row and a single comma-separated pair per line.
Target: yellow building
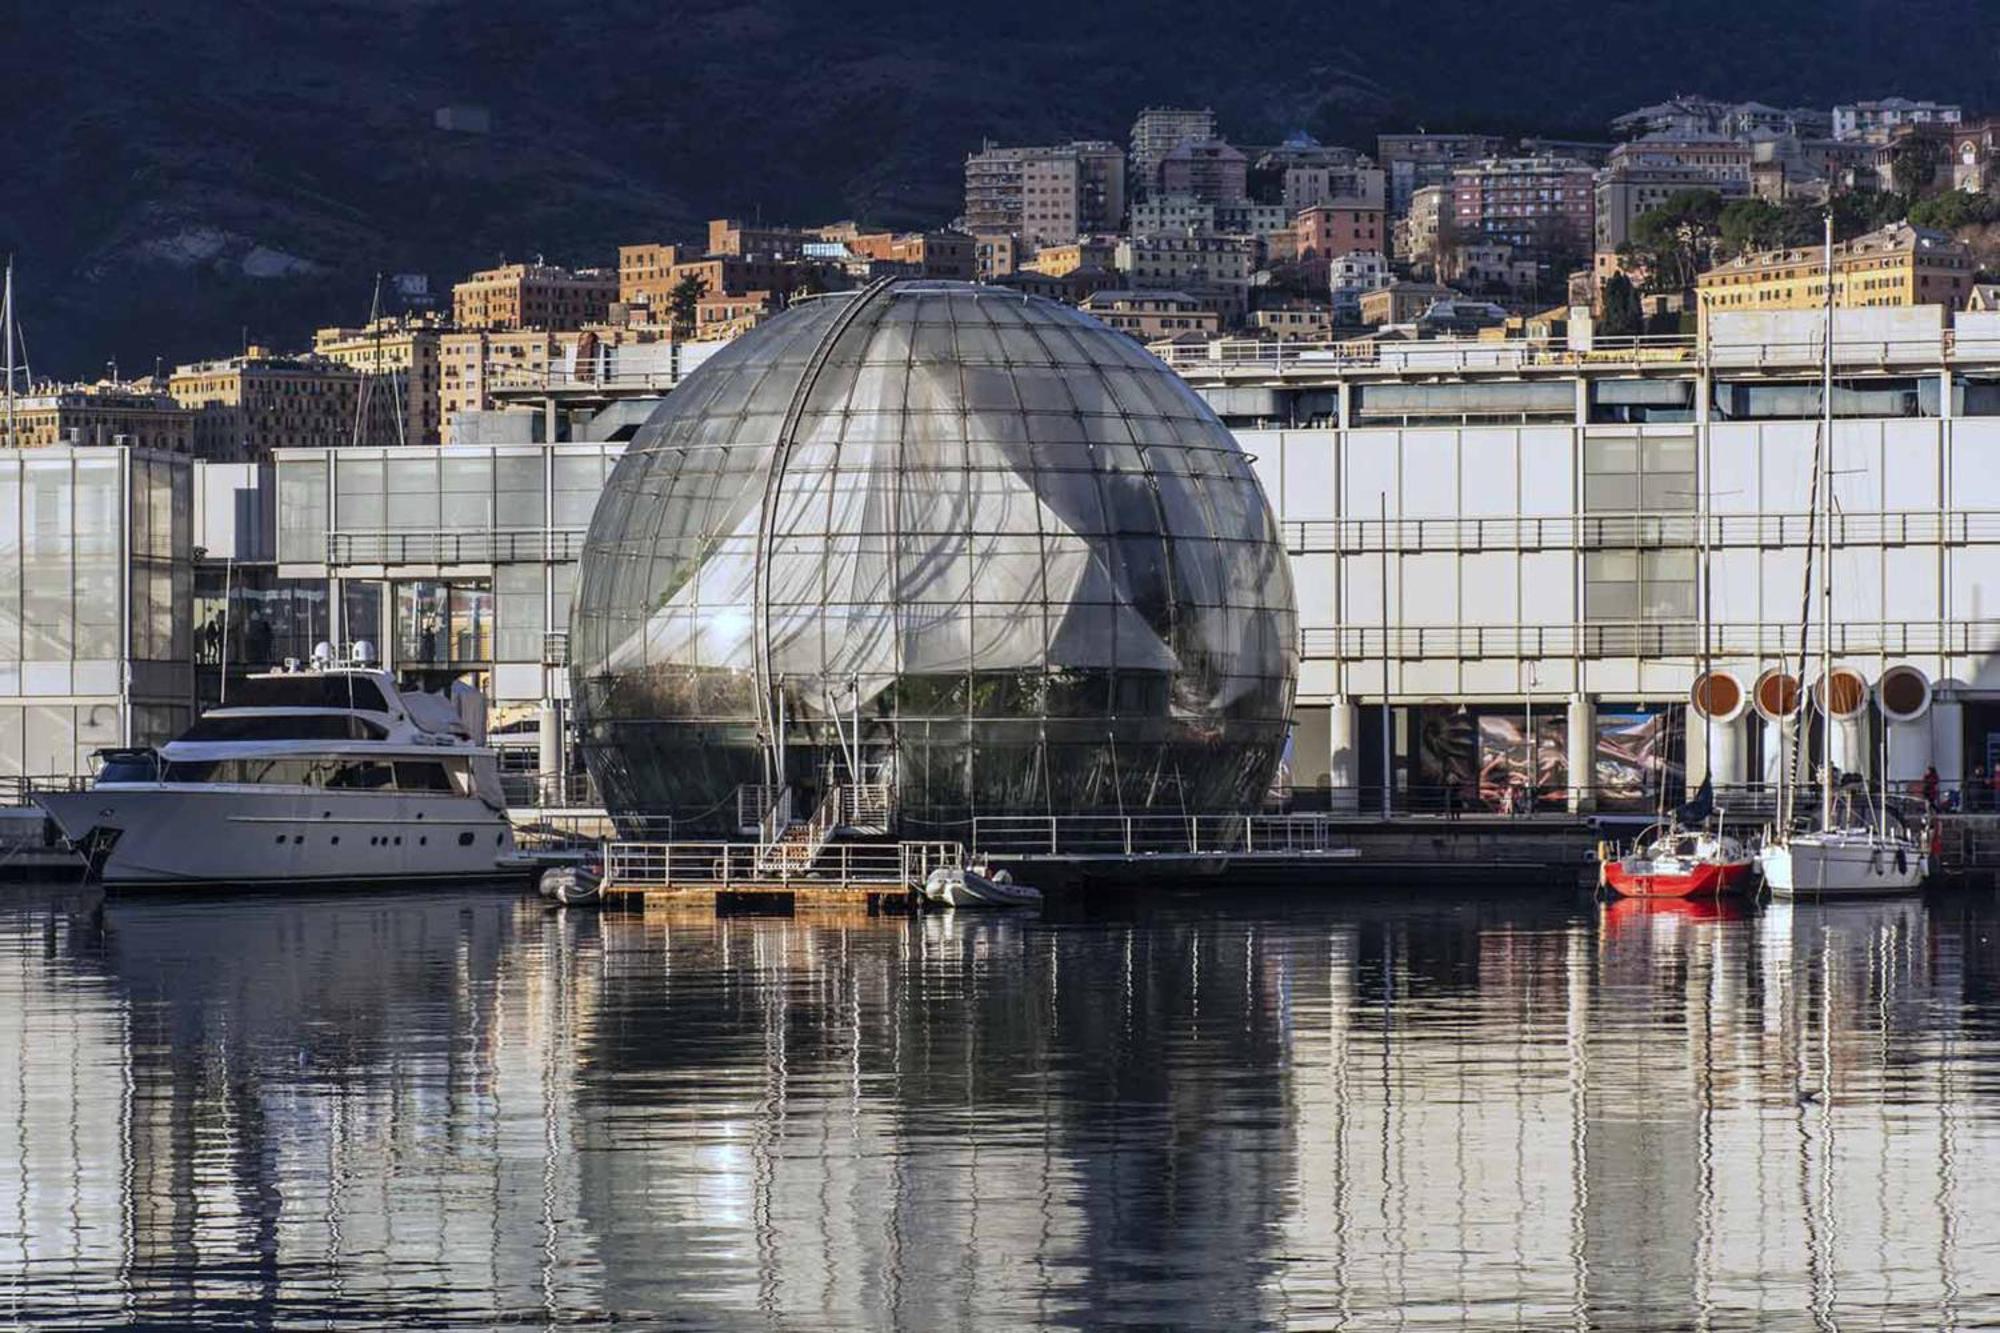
x,y
131,414
246,406
533,296
1056,260
1898,265
399,358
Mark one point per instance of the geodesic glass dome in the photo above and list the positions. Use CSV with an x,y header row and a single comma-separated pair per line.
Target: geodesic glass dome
x,y
974,546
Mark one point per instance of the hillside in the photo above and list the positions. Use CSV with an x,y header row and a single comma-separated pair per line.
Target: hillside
x,y
179,174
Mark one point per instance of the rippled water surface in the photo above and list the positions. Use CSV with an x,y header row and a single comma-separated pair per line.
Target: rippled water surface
x,y
1321,1111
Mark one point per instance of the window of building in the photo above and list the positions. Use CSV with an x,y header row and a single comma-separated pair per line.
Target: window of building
x,y
1799,400
1625,474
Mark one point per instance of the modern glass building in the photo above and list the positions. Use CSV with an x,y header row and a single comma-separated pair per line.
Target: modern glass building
x,y
968,545
95,577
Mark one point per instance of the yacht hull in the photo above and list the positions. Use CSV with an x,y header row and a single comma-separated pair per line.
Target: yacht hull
x,y
166,835
1821,866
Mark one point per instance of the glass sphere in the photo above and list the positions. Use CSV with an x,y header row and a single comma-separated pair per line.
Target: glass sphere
x,y
973,546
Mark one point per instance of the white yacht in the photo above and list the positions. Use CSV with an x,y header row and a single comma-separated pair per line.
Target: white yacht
x,y
318,774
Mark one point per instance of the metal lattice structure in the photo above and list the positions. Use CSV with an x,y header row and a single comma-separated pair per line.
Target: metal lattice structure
x,y
973,546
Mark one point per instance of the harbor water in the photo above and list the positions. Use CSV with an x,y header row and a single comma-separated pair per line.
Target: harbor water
x,y
1313,1110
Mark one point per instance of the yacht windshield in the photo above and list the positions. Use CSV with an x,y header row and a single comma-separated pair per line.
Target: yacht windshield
x,y
286,727
337,691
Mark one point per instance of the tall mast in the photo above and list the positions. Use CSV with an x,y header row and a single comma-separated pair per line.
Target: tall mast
x,y
1825,464
7,339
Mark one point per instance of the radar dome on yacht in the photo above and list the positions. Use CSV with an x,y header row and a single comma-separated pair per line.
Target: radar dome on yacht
x,y
363,652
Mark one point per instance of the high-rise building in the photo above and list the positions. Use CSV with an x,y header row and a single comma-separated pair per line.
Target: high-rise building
x,y
1158,131
1207,169
1543,204
533,296
1046,196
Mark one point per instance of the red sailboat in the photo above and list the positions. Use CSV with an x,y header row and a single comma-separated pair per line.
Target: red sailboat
x,y
1679,863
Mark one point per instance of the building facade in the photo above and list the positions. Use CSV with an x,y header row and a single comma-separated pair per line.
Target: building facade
x,y
1047,195
1874,122
95,604
398,360
1412,161
246,407
1151,315
139,415
534,296
1208,169
1215,269
1899,265
1531,203
1565,538
1158,131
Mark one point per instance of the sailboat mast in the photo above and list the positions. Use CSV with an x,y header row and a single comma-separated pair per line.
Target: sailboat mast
x,y
7,339
1825,464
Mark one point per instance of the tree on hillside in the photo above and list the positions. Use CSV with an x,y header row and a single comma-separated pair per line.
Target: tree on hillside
x,y
1677,240
1953,209
684,300
1914,166
1623,315
1749,225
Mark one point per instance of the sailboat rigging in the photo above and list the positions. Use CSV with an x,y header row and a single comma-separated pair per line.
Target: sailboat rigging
x,y
1842,856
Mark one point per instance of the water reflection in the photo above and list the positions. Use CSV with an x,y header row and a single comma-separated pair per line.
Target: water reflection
x,y
425,1110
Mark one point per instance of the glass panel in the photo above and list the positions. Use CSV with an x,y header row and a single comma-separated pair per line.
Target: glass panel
x,y
301,511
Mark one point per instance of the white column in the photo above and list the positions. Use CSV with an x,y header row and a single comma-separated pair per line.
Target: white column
x,y
1851,746
1725,752
1343,764
1947,724
549,722
1910,750
1582,754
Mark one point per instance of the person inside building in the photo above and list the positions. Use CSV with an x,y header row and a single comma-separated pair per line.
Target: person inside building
x,y
1930,788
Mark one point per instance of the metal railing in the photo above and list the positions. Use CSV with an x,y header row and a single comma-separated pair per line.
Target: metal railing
x,y
561,378
753,804
555,648
548,790
1345,536
1226,358
584,830
17,789
1644,639
866,805
1154,835
475,547
726,865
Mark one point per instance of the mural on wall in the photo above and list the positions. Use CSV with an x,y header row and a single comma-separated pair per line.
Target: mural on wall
x,y
1510,779
1636,760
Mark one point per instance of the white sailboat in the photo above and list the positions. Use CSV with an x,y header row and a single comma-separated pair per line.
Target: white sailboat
x,y
1849,854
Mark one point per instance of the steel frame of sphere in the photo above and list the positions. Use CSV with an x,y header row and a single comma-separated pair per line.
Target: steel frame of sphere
x,y
974,546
